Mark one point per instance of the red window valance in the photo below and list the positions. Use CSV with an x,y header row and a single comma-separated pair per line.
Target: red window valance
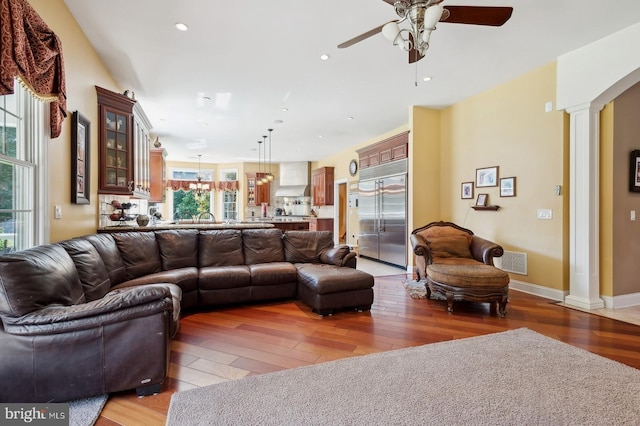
x,y
31,52
228,185
184,185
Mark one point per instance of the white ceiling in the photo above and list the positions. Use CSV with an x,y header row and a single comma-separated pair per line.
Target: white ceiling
x,y
255,57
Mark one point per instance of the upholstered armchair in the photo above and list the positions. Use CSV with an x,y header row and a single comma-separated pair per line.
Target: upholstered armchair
x,y
448,243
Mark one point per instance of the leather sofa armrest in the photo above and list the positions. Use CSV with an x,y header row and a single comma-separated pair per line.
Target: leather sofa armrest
x,y
421,248
339,256
116,306
484,250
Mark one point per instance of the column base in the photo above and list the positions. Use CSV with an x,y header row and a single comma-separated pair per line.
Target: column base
x,y
582,303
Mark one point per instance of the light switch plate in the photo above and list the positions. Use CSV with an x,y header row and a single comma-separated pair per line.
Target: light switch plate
x,y
545,214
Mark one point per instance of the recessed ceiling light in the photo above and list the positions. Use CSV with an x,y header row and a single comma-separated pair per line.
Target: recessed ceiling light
x,y
181,27
324,57
427,78
321,136
285,109
278,121
349,118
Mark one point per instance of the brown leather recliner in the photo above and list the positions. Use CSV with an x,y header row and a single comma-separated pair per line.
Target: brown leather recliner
x,y
448,243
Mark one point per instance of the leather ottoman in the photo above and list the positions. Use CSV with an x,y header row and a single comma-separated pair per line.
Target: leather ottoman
x,y
327,288
475,283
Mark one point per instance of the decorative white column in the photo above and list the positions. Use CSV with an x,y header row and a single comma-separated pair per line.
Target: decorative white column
x,y
584,252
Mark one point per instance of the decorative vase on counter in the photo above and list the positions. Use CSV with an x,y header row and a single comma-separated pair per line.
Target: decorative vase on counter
x,y
142,219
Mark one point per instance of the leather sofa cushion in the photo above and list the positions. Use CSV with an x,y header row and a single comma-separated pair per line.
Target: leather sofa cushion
x,y
185,278
91,270
220,248
50,266
327,279
108,249
273,273
178,248
262,246
306,246
139,252
224,277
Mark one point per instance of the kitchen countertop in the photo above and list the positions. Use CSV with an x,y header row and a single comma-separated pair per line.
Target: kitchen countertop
x,y
164,226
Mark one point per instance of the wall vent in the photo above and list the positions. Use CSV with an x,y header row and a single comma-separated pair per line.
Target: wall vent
x,y
512,261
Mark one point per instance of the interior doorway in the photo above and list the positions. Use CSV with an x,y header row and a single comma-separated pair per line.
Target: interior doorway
x,y
342,212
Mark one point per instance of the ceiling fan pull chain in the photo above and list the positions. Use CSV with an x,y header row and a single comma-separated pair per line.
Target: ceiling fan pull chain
x,y
416,76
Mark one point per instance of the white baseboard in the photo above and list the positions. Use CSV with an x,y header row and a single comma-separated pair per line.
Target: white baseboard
x,y
623,301
538,290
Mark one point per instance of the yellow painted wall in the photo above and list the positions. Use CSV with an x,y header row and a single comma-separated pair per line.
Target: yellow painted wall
x,y
508,127
84,70
426,168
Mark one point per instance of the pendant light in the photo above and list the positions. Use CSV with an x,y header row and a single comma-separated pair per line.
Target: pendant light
x,y
264,175
258,180
270,175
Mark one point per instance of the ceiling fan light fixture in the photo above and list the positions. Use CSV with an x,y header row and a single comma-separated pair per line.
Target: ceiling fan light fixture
x,y
432,16
391,30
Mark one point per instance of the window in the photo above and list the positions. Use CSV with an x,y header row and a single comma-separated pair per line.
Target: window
x,y
229,197
24,144
187,205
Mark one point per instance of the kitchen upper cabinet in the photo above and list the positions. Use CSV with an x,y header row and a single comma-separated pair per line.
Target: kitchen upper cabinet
x,y
123,142
157,175
391,149
257,194
322,186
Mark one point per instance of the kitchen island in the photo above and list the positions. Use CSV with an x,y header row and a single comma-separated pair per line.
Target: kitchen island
x,y
297,223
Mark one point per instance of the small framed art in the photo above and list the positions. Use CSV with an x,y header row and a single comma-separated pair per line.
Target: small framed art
x,y
487,176
466,191
482,200
80,158
634,171
508,187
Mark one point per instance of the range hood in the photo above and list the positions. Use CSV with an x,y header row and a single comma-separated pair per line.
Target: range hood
x,y
294,179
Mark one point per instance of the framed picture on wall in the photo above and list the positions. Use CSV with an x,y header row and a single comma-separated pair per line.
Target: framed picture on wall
x,y
482,200
80,158
466,191
487,176
508,187
634,171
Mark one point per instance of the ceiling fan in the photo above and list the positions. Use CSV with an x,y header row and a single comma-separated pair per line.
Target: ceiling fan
x,y
422,16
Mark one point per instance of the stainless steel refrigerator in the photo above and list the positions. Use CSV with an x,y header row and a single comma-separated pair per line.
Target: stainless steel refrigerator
x,y
382,213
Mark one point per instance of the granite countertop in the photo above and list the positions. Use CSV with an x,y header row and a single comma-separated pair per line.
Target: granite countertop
x,y
163,226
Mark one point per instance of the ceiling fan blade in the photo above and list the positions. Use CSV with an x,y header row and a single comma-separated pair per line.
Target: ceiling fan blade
x,y
362,36
391,2
494,16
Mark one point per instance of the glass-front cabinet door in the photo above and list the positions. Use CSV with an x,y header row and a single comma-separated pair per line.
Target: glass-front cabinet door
x,y
115,175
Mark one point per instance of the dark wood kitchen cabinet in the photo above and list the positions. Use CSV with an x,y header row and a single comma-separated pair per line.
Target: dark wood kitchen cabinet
x,y
123,143
322,186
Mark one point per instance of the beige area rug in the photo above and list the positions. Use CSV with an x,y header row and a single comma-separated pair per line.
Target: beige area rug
x,y
516,377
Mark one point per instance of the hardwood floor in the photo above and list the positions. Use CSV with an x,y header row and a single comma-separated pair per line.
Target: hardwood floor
x,y
231,343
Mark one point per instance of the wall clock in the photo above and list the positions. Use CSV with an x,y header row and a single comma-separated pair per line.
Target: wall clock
x,y
353,167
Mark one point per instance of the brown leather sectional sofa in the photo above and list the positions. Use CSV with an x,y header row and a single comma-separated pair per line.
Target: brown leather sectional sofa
x,y
95,314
